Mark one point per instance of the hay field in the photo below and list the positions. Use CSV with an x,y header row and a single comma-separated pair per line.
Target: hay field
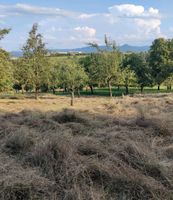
x,y
101,149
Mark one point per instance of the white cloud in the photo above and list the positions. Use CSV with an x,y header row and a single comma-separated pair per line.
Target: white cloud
x,y
131,10
87,16
171,29
149,25
21,9
2,16
126,23
50,37
153,11
135,22
85,31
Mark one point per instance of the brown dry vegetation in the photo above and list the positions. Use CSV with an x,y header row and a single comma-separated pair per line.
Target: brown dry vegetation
x,y
102,149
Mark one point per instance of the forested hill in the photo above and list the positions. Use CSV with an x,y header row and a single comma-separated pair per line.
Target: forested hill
x,y
123,48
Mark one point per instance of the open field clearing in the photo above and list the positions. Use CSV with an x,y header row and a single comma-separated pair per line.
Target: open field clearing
x,y
119,148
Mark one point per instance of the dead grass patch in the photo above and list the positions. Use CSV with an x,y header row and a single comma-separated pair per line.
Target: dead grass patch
x,y
109,151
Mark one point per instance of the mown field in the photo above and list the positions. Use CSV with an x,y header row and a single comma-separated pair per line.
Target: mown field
x,y
101,149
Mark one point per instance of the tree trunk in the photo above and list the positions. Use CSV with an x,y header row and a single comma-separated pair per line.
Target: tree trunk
x,y
169,87
65,88
72,98
36,93
78,93
127,85
53,90
110,89
91,88
127,89
142,89
23,88
158,87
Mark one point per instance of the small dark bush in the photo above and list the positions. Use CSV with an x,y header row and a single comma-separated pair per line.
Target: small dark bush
x,y
18,143
70,116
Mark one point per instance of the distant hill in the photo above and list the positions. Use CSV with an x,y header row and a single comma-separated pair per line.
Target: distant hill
x,y
123,48
16,53
127,48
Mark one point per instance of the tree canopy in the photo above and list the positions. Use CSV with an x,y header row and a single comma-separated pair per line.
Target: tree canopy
x,y
4,32
72,76
34,55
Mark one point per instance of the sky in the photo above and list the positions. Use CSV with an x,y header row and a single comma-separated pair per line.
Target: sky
x,y
74,23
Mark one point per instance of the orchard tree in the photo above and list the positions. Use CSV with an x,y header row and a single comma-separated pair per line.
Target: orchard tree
x,y
169,82
21,73
158,61
109,68
72,75
108,63
90,64
128,78
34,54
137,62
6,72
170,61
54,77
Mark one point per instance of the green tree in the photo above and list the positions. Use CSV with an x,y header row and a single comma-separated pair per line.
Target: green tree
x,y
6,71
90,65
137,62
34,54
169,82
108,63
54,77
72,75
109,68
21,73
158,61
4,32
170,61
127,78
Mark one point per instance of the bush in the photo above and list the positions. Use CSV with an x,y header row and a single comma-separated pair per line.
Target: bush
x,y
18,143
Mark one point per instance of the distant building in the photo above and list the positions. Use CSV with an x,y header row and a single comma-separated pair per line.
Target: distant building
x,y
60,53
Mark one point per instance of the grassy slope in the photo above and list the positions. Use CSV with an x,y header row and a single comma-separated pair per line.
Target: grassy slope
x,y
101,149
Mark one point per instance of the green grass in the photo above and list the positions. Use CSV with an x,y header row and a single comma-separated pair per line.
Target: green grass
x,y
54,60
120,92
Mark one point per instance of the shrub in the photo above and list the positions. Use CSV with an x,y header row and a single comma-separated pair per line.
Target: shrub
x,y
18,143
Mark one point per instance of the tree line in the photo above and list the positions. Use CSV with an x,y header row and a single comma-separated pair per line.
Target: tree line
x,y
108,67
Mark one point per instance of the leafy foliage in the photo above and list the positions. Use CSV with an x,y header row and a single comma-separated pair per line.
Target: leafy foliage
x,y
38,70
72,76
158,60
139,65
4,32
6,73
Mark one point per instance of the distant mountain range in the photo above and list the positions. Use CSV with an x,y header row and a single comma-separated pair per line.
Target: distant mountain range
x,y
123,48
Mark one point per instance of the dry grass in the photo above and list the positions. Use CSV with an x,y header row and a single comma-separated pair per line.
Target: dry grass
x,y
102,149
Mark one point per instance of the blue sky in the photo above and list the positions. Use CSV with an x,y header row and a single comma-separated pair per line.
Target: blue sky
x,y
74,23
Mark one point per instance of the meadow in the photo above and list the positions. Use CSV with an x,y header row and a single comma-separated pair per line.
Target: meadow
x,y
116,144
117,92
100,149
